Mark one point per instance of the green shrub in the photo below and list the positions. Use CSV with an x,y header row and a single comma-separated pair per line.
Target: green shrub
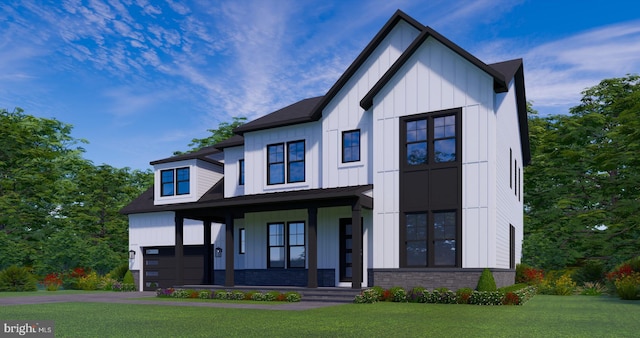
x,y
486,281
119,271
591,271
416,295
368,296
398,294
204,294
463,295
16,278
592,289
128,278
441,296
564,286
628,287
293,297
88,282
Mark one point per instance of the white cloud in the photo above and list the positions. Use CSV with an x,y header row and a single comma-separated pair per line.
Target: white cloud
x,y
557,72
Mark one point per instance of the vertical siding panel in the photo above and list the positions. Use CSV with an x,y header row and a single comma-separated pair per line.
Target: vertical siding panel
x,y
448,71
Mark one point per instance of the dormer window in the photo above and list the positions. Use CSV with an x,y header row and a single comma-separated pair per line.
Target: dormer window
x,y
174,182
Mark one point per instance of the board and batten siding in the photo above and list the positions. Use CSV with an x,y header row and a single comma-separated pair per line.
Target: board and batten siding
x,y
344,113
232,156
433,79
255,225
202,176
255,157
510,195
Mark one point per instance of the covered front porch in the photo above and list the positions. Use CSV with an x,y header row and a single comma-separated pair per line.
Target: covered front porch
x,y
213,208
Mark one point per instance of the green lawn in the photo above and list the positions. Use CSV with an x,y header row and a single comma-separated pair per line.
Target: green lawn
x,y
543,316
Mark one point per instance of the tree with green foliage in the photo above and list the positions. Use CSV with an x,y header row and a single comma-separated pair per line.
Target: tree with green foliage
x,y
223,132
582,189
57,209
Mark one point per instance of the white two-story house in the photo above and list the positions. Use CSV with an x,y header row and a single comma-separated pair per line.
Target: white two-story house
x,y
407,172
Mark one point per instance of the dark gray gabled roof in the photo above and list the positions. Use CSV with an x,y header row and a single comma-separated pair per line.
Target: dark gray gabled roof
x,y
499,84
233,141
201,154
299,112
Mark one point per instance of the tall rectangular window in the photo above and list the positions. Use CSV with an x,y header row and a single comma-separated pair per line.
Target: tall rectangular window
x,y
351,146
444,238
295,161
276,245
174,182
296,245
444,139
241,172
510,167
167,183
512,247
416,239
182,181
416,142
241,241
275,163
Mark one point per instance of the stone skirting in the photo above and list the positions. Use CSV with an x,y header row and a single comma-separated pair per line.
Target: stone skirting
x,y
275,277
453,279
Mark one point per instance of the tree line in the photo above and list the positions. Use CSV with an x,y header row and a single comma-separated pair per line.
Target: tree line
x,y
58,210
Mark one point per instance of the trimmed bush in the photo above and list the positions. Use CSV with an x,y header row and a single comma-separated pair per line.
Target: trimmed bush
x,y
486,281
416,295
398,294
119,271
463,295
16,278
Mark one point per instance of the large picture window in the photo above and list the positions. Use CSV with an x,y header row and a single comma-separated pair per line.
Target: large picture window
x,y
351,146
174,182
286,250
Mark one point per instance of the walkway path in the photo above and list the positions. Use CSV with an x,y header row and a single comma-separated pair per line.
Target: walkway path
x,y
139,298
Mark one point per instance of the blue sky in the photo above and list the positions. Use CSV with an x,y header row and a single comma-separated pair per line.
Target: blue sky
x,y
140,78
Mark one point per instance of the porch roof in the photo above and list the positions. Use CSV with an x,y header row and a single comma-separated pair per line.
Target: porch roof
x,y
213,203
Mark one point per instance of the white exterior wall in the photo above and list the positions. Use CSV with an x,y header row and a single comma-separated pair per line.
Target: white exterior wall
x,y
158,229
255,225
344,113
202,176
509,207
255,157
232,171
433,79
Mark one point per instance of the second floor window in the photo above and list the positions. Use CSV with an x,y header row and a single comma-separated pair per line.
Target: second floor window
x,y
351,146
174,182
275,163
241,172
295,162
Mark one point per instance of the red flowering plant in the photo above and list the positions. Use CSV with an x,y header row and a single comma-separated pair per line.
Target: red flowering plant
x,y
620,272
52,281
70,280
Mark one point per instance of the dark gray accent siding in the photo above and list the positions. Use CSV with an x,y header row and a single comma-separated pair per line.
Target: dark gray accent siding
x,y
453,279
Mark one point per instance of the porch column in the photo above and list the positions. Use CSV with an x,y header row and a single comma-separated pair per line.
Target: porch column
x,y
179,247
356,260
312,248
229,241
208,254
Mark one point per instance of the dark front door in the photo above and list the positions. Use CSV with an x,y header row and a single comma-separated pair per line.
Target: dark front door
x,y
346,250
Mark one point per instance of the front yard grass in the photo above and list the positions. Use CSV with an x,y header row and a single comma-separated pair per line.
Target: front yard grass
x,y
543,316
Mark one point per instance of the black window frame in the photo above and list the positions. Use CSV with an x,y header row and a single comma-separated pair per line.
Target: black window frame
x,y
296,161
242,241
241,171
345,134
425,141
178,181
271,245
279,163
175,181
429,240
286,246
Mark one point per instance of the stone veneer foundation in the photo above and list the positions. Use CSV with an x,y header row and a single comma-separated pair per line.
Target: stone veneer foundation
x,y
430,279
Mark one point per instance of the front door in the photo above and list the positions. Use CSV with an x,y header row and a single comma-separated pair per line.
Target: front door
x,y
346,248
